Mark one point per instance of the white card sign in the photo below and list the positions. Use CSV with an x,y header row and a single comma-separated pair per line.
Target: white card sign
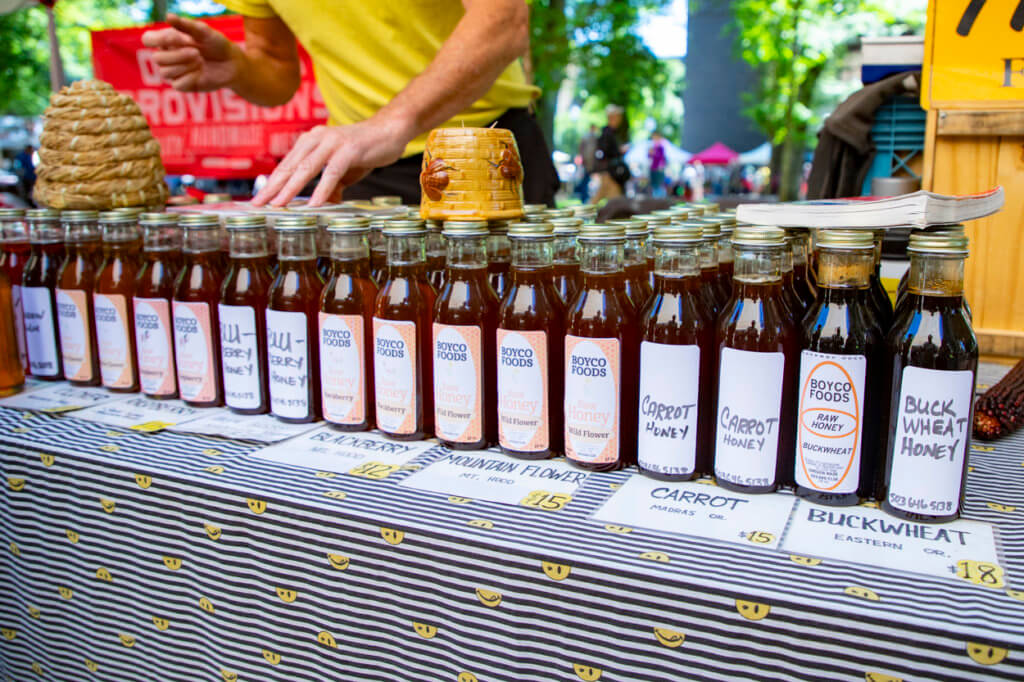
x,y
863,535
58,398
699,509
363,453
227,424
142,414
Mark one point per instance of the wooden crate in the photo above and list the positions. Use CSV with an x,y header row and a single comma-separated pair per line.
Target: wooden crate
x,y
973,151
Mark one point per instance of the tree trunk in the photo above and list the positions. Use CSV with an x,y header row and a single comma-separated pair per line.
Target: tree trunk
x,y
159,11
57,80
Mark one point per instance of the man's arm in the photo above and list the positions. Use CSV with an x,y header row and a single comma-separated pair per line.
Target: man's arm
x,y
491,35
195,58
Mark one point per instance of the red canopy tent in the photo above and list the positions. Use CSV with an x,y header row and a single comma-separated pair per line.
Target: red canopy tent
x,y
716,155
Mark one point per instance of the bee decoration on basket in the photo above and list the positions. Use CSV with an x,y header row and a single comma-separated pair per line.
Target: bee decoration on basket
x,y
509,166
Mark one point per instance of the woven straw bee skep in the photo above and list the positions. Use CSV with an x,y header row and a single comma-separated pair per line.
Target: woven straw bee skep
x,y
471,173
97,152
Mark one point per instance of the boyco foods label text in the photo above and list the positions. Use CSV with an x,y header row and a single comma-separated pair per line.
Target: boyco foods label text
x,y
114,341
154,345
342,368
749,407
394,375
523,391
458,383
592,408
288,361
932,431
193,345
830,421
75,341
240,356
669,380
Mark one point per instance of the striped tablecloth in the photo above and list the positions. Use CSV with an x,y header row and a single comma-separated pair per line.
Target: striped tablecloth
x,y
167,557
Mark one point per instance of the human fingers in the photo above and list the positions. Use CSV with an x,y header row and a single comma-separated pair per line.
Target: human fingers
x,y
167,39
176,71
337,166
305,171
189,81
303,145
173,57
197,30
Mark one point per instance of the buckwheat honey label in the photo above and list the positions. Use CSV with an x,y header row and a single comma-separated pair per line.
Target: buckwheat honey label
x,y
394,367
343,368
523,391
112,337
154,343
669,382
75,341
193,344
592,399
458,383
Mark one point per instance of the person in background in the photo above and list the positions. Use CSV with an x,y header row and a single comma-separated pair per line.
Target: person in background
x,y
588,157
658,160
612,171
25,169
389,72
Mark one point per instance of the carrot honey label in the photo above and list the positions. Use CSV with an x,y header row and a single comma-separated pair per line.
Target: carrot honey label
x,y
75,341
592,399
668,407
193,343
154,343
394,365
113,329
342,368
523,391
830,421
458,383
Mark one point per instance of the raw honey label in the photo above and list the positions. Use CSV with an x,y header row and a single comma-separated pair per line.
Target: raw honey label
x,y
343,368
523,391
749,409
668,407
75,341
114,341
193,346
240,357
458,383
154,343
40,331
592,399
19,323
394,375
288,360
830,421
933,428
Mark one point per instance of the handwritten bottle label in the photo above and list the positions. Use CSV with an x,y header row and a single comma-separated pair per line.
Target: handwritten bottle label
x,y
75,341
749,409
154,342
669,383
394,375
933,425
19,324
523,391
40,331
343,368
830,422
288,362
458,383
193,346
112,337
240,357
592,399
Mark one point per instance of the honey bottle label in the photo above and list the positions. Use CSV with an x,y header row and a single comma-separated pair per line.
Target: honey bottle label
x,y
458,383
523,391
193,346
154,343
40,331
830,421
343,368
592,399
75,341
240,357
933,428
669,384
394,375
288,363
19,324
749,410
115,350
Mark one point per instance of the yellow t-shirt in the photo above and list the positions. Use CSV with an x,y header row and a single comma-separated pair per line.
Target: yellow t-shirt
x,y
364,53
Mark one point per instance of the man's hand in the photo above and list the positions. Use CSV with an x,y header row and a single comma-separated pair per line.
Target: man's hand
x,y
192,56
345,154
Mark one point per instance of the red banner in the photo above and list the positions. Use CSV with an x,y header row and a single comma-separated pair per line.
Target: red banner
x,y
207,134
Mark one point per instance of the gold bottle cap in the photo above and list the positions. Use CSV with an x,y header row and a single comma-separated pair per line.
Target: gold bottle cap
x,y
712,227
567,226
403,228
117,218
655,219
559,213
386,200
199,221
709,207
80,216
845,239
12,213
248,221
759,235
531,230
130,210
158,219
948,242
42,214
465,228
681,231
353,224
296,223
726,218
585,210
634,227
670,213
602,231
530,209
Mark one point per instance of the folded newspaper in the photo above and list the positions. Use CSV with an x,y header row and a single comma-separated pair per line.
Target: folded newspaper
x,y
920,209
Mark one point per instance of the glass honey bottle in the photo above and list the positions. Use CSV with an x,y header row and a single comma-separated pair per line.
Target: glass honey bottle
x,y
789,295
14,251
12,374
634,264
154,290
112,301
39,282
346,328
76,313
402,336
378,251
499,256
727,224
881,303
293,321
437,252
677,362
242,313
933,357
797,239
758,351
464,329
565,264
195,314
842,362
530,349
653,222
714,293
602,347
